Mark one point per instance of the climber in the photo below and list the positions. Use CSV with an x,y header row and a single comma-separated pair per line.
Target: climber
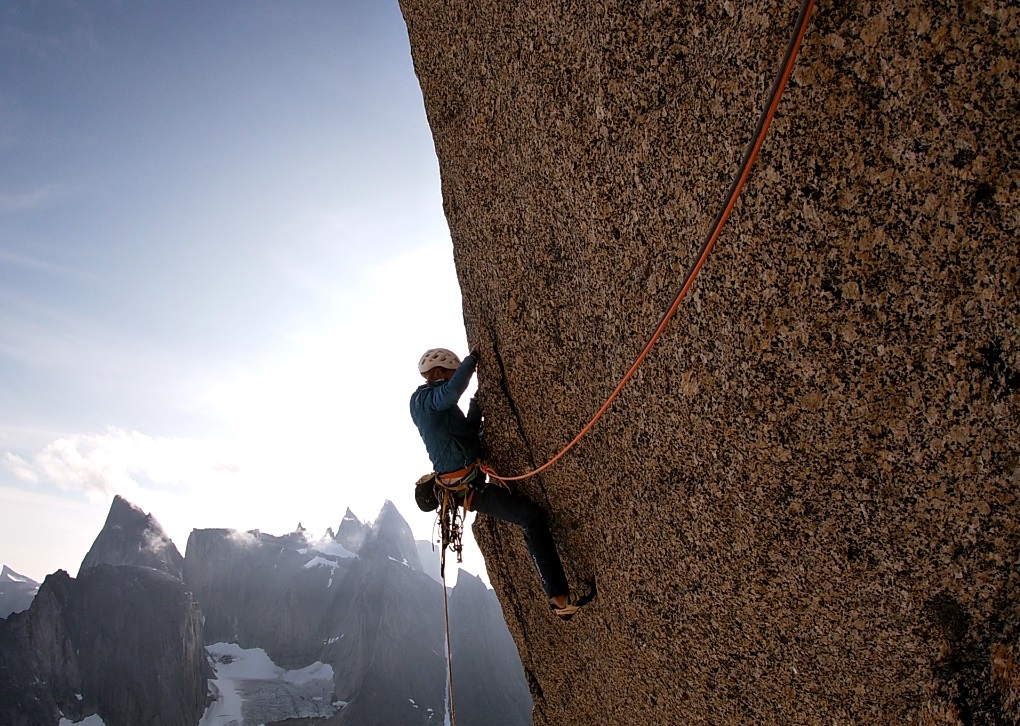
x,y
454,445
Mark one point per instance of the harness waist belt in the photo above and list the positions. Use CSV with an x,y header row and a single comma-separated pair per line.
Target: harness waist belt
x,y
452,477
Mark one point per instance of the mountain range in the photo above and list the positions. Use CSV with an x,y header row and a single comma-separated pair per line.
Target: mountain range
x,y
16,591
349,629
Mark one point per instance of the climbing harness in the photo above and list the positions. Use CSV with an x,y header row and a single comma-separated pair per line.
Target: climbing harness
x,y
453,493
446,494
743,170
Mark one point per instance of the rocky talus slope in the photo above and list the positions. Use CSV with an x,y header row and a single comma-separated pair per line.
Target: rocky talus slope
x,y
804,508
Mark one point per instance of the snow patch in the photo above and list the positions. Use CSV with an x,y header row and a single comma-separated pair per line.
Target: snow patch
x,y
321,562
225,710
317,671
251,672
93,720
232,661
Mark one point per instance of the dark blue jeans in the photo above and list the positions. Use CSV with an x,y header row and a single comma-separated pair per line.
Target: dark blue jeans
x,y
495,501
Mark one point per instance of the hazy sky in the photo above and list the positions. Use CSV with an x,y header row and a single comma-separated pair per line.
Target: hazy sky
x,y
220,232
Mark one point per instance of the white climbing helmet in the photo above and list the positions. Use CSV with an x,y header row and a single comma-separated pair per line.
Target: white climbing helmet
x,y
437,358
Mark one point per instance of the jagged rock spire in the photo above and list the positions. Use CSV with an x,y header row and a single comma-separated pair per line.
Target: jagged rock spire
x,y
132,537
391,536
351,532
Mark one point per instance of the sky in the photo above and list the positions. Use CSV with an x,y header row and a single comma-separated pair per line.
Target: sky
x,y
222,252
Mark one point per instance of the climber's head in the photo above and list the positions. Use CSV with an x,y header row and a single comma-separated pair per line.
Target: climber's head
x,y
438,364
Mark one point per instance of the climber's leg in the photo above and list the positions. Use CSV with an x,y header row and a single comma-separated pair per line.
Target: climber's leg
x,y
497,502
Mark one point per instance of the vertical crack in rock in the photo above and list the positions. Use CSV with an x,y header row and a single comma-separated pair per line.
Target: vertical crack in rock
x,y
536,688
505,388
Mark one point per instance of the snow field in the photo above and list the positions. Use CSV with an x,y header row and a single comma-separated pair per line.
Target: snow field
x,y
243,676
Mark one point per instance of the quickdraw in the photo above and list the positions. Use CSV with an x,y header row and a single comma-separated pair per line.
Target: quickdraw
x,y
451,529
454,503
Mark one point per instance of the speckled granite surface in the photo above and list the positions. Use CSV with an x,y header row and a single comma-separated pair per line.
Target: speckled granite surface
x,y
804,509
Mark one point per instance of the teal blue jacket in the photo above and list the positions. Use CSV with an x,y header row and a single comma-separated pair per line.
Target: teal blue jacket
x,y
452,439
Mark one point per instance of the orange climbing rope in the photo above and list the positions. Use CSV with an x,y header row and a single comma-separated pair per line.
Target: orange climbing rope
x,y
750,154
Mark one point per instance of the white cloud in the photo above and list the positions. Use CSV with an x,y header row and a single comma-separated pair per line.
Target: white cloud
x,y
155,541
244,540
20,468
117,461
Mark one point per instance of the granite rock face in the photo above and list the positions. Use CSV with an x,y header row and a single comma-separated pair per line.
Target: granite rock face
x,y
122,642
804,507
489,684
374,615
384,638
352,531
257,590
132,537
391,537
388,640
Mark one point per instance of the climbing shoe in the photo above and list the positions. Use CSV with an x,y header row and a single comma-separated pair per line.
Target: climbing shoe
x,y
576,599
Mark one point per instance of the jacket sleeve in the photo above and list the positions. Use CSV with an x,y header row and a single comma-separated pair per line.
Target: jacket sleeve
x,y
447,395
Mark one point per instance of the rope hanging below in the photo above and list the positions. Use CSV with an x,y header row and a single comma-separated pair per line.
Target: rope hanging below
x,y
451,535
743,170
449,652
